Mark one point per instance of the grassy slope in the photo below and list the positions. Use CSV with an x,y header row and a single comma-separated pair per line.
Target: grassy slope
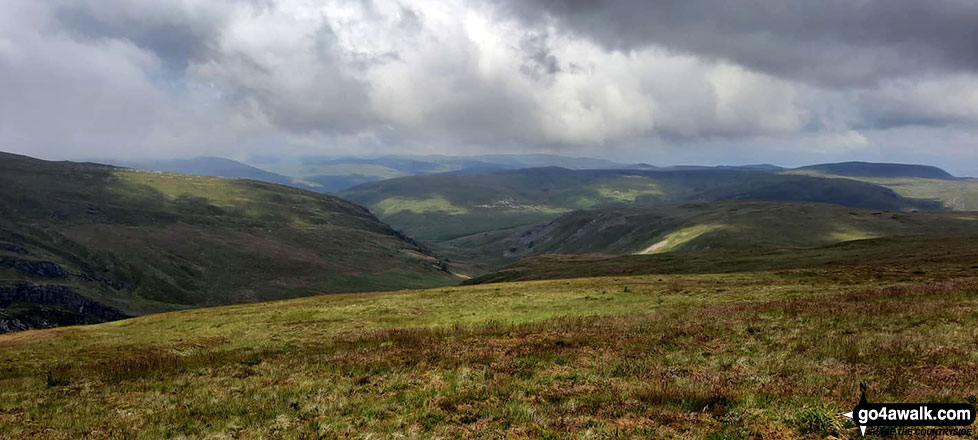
x,y
439,208
874,169
176,240
908,252
745,355
719,225
956,194
209,166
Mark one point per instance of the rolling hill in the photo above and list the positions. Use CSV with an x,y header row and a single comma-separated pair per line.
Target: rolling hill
x,y
898,253
445,206
328,174
872,169
714,225
84,242
794,188
959,194
438,208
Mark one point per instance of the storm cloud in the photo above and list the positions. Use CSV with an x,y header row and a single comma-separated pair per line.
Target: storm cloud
x,y
660,81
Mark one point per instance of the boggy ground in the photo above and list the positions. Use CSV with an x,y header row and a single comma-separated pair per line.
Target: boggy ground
x,y
775,354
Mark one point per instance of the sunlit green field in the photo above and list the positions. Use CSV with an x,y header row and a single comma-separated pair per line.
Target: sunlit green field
x,y
774,354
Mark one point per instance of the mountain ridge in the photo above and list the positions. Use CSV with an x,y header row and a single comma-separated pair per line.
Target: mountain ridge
x,y
878,169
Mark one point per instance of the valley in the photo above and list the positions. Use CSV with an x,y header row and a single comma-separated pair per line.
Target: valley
x,y
696,302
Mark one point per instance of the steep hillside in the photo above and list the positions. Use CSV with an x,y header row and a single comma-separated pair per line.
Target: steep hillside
x,y
718,225
141,242
870,169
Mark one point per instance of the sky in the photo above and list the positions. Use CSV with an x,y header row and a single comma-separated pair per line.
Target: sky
x,y
666,82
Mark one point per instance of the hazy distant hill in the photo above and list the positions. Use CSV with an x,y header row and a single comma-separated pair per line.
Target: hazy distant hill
x,y
765,168
330,174
142,241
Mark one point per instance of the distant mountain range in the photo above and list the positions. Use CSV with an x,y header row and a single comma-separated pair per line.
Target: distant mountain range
x,y
336,174
330,175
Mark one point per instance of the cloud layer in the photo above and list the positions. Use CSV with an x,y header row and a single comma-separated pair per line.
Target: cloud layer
x,y
795,79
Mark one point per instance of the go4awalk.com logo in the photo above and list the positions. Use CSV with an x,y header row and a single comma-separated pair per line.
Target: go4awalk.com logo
x,y
949,416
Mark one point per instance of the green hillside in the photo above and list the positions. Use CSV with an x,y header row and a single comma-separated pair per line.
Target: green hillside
x,y
142,242
956,194
209,166
443,207
903,253
728,225
758,354
799,188
713,225
882,170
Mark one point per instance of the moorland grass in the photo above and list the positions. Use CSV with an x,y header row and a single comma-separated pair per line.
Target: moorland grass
x,y
743,355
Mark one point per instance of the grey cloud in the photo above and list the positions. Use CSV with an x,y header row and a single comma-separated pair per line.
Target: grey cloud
x,y
229,76
176,34
540,61
946,101
830,42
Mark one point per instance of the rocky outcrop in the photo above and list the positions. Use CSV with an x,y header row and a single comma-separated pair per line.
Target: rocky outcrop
x,y
45,269
12,324
14,248
48,269
62,296
117,285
